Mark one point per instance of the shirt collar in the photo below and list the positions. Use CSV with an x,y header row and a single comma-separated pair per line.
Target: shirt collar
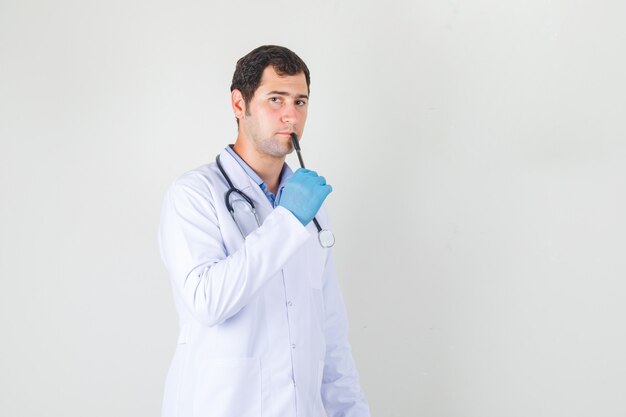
x,y
284,175
245,166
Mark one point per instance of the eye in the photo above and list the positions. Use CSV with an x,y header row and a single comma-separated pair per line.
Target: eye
x,y
300,102
275,99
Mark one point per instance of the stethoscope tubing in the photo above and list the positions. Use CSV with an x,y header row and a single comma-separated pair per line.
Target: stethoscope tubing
x,y
325,237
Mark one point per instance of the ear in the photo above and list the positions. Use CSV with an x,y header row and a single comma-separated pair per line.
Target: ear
x,y
238,103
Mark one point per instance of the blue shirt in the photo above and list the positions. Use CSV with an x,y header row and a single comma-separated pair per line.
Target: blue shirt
x,y
284,176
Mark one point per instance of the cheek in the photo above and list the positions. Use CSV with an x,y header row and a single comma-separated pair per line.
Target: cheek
x,y
303,114
268,117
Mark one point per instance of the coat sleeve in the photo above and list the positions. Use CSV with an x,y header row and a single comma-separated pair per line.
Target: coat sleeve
x,y
341,392
214,285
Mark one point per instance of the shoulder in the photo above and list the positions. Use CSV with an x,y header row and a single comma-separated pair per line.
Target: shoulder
x,y
197,184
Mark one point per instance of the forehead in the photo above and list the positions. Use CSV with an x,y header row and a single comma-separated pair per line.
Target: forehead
x,y
272,81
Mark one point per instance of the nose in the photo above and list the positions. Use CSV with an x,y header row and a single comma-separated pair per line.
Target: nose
x,y
289,114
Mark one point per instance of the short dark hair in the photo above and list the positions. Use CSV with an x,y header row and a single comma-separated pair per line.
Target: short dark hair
x,y
249,69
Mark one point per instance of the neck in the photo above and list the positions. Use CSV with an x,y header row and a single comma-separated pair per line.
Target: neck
x,y
266,166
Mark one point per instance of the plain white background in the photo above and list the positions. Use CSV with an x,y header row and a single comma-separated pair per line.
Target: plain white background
x,y
477,151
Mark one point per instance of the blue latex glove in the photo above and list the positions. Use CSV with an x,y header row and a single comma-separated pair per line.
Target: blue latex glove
x,y
304,193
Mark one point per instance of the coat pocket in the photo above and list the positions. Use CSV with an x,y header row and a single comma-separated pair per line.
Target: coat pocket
x,y
228,387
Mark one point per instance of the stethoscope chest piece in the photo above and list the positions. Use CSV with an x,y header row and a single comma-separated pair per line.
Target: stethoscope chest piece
x,y
326,238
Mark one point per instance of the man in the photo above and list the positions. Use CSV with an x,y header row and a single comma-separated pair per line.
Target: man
x,y
263,324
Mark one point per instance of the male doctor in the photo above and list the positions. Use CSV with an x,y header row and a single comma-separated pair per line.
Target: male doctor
x,y
263,327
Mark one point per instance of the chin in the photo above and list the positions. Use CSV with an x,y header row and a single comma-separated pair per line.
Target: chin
x,y
277,149
282,153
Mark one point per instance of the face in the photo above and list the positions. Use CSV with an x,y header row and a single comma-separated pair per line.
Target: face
x,y
278,108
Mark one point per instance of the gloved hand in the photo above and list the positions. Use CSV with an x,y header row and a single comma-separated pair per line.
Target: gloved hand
x,y
304,194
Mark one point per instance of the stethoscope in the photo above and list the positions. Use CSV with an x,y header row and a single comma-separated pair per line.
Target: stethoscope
x,y
324,236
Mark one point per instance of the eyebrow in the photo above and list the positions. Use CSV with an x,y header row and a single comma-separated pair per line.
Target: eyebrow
x,y
284,93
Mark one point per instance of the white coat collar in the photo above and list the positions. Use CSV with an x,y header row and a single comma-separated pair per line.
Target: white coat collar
x,y
235,172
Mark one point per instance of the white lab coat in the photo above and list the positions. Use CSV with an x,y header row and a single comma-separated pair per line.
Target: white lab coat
x,y
263,328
